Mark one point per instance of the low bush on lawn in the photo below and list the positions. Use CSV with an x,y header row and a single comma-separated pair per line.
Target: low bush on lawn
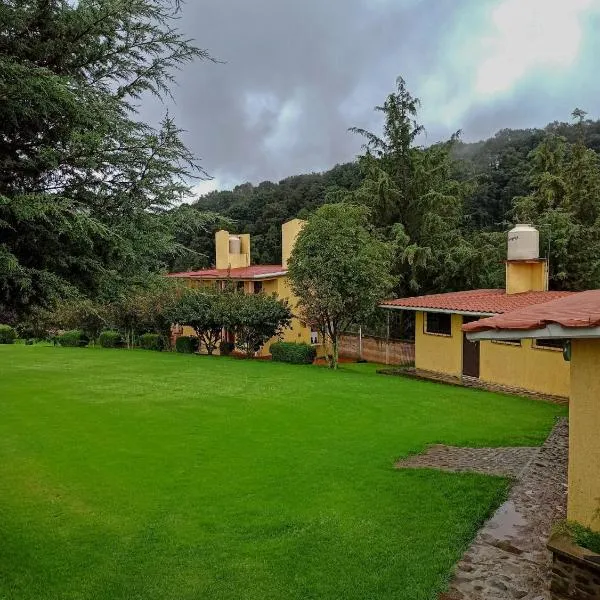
x,y
291,352
226,348
110,339
152,341
186,344
7,334
73,339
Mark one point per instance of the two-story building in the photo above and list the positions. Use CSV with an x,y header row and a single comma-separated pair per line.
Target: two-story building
x,y
233,265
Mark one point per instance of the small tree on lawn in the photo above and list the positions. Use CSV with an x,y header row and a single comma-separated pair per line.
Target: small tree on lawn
x,y
255,319
78,313
144,310
205,312
339,271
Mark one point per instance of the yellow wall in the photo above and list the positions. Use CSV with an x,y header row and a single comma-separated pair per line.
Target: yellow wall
x,y
526,276
540,370
584,434
298,332
439,353
289,233
222,249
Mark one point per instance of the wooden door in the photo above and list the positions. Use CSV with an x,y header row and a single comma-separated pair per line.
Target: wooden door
x,y
470,354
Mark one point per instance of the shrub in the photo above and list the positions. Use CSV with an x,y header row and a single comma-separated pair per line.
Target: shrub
x,y
186,344
152,341
110,339
74,338
7,334
226,348
291,352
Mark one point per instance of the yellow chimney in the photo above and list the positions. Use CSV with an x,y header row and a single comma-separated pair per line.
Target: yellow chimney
x,y
232,251
289,233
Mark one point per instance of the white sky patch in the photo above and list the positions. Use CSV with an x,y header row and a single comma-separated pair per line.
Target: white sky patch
x,y
258,105
204,187
286,127
528,35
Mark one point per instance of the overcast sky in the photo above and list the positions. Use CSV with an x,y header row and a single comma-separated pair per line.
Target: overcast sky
x,y
297,73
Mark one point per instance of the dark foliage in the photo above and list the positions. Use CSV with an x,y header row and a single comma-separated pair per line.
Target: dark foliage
x,y
8,335
110,339
152,341
74,339
291,352
187,344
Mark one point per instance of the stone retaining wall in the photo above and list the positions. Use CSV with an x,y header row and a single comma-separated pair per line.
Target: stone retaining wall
x,y
378,350
575,571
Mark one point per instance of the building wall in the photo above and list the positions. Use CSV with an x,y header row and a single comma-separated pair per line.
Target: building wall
x,y
439,353
526,276
298,332
542,370
584,434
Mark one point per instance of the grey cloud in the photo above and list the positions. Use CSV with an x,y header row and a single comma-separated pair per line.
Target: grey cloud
x,y
297,74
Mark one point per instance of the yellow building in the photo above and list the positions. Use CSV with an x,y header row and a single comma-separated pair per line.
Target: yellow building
x,y
577,319
233,265
529,364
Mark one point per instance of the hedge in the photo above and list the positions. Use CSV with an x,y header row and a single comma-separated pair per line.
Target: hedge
x,y
74,338
7,334
110,339
187,344
226,348
291,352
152,341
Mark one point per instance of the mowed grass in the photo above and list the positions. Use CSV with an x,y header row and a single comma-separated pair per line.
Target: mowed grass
x,y
140,475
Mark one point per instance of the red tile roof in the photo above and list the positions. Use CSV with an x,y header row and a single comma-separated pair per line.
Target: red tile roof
x,y
475,301
252,272
576,310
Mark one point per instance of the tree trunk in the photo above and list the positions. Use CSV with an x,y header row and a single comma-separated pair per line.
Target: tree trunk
x,y
334,359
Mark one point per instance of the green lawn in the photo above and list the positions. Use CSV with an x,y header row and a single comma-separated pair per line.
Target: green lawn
x,y
139,475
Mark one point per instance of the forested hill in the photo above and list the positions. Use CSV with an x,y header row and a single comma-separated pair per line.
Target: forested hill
x,y
498,167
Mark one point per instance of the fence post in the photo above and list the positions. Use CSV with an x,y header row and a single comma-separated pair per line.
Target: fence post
x,y
387,340
360,343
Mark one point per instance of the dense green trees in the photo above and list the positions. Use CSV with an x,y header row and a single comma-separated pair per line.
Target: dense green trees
x,y
446,207
86,188
564,203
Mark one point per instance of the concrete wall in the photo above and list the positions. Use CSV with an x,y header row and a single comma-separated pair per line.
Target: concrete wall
x,y
378,350
439,353
540,370
584,434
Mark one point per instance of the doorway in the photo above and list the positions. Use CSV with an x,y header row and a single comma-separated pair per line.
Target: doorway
x,y
470,353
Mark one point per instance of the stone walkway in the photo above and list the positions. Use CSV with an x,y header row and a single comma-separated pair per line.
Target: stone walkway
x,y
509,559
492,461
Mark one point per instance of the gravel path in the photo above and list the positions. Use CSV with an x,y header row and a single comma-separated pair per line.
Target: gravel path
x,y
509,559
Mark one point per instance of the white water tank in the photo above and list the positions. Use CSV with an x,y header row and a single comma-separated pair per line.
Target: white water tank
x,y
523,243
235,244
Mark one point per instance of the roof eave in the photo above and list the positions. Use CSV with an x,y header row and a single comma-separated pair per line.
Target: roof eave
x,y
450,311
552,330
